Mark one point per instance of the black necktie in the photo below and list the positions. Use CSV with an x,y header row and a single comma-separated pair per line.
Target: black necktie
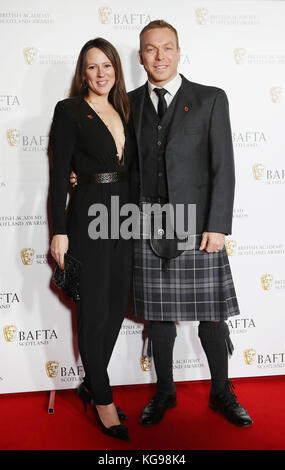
x,y
162,105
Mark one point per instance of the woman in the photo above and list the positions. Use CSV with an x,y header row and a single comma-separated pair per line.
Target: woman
x,y
90,136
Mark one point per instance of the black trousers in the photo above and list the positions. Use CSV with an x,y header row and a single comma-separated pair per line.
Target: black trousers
x,y
103,303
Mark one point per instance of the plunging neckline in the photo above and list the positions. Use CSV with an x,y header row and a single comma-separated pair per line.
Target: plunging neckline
x,y
120,160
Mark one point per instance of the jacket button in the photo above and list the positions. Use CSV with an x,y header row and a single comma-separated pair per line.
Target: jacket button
x,y
158,142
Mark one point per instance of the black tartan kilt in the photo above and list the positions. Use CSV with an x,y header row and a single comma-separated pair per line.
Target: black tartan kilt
x,y
195,286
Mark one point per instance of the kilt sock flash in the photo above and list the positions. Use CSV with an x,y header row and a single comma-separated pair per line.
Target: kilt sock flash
x,y
215,340
162,336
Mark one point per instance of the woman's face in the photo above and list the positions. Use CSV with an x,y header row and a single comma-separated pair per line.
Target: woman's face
x,y
98,72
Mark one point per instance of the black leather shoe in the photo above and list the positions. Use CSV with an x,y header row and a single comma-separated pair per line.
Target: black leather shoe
x,y
227,404
119,431
153,413
85,395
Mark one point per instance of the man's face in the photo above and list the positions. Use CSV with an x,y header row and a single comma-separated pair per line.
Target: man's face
x,y
159,55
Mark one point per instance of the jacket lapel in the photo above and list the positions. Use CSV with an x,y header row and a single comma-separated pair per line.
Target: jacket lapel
x,y
184,108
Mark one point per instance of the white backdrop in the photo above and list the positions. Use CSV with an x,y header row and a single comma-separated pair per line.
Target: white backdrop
x,y
236,45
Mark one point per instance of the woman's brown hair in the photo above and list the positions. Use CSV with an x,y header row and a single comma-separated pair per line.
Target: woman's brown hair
x,y
118,95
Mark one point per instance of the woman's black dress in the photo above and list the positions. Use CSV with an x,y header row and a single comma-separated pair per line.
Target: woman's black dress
x,y
81,142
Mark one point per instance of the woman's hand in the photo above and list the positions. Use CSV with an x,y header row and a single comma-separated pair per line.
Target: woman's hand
x,y
58,248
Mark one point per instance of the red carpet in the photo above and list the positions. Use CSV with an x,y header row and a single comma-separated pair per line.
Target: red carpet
x,y
26,424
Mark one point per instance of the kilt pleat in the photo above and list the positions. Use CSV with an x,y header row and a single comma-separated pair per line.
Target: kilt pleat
x,y
195,286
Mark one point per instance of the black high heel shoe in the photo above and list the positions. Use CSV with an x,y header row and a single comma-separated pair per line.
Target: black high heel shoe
x,y
85,395
119,431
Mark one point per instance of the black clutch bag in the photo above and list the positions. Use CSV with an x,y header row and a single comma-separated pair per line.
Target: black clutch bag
x,y
67,279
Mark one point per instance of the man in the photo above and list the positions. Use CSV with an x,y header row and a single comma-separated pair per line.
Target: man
x,y
185,157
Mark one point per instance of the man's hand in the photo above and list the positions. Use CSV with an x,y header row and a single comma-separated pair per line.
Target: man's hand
x,y
73,178
212,242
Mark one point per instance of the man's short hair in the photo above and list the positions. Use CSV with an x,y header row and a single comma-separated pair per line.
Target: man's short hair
x,y
158,24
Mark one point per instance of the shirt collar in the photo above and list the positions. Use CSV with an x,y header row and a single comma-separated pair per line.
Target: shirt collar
x,y
172,87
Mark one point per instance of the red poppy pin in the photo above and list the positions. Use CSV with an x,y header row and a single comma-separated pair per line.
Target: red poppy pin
x,y
186,108
90,116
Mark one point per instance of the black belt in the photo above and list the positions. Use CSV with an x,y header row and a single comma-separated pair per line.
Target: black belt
x,y
96,178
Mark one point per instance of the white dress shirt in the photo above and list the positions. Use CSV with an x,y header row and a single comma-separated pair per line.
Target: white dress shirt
x,y
172,87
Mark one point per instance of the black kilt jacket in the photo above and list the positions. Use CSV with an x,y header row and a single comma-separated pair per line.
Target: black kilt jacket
x,y
199,153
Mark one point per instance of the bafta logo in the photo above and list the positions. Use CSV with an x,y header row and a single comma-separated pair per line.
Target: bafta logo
x,y
145,363
13,137
230,247
249,356
52,369
27,256
201,15
239,55
266,281
105,15
10,333
276,94
30,55
258,171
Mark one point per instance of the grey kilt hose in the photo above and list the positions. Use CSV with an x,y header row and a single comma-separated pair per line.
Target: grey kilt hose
x,y
195,286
